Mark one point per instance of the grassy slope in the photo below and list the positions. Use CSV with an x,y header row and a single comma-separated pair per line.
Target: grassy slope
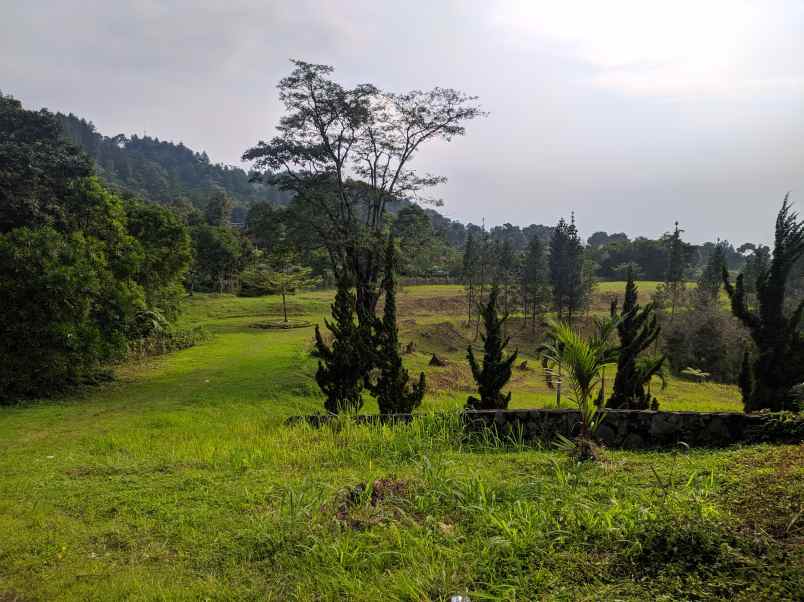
x,y
178,482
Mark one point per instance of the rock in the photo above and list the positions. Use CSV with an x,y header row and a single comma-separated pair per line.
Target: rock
x,y
437,361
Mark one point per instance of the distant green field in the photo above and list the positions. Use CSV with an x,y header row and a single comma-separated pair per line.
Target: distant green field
x,y
179,482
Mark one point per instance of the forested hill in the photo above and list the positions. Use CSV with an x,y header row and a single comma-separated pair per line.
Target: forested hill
x,y
163,172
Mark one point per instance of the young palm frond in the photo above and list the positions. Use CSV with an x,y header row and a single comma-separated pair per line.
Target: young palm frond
x,y
582,361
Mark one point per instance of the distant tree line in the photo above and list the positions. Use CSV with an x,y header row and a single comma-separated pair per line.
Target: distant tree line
x,y
163,172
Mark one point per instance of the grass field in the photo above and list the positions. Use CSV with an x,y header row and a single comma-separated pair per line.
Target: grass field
x,y
179,482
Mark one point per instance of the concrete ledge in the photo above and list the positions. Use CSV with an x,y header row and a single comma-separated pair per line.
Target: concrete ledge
x,y
626,429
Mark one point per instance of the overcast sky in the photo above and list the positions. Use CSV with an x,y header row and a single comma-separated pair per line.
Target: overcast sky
x,y
632,113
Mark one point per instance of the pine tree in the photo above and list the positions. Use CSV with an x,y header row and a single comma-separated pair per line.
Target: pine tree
x,y
779,362
469,271
676,266
559,243
341,366
505,272
394,394
496,369
637,329
712,276
535,280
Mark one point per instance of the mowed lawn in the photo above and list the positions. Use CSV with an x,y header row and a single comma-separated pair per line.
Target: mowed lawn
x,y
180,482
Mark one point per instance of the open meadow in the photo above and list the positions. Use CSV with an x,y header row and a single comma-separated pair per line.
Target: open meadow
x,y
178,481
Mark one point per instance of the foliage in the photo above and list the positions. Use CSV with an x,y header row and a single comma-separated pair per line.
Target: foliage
x,y
163,172
220,254
423,250
637,329
341,365
470,271
779,427
779,360
535,281
571,281
64,312
166,340
707,337
712,275
38,170
696,374
166,255
496,369
582,363
76,270
218,211
346,155
395,395
677,263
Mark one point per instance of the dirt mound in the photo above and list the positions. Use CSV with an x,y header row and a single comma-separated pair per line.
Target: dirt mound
x,y
444,335
454,377
441,304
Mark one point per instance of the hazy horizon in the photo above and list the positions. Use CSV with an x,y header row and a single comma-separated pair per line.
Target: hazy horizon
x,y
633,114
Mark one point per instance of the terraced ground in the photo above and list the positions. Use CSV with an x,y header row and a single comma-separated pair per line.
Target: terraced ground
x,y
178,481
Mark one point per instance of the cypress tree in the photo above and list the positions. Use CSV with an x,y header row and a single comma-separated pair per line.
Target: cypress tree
x,y
341,366
637,329
496,369
779,362
394,394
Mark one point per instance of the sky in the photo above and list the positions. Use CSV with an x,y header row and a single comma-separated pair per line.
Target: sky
x,y
631,113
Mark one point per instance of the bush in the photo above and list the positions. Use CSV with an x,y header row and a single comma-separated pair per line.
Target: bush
x,y
779,427
166,342
707,338
63,312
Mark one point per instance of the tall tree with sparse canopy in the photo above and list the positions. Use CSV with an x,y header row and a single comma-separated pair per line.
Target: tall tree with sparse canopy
x,y
346,154
495,372
637,329
779,361
340,365
395,395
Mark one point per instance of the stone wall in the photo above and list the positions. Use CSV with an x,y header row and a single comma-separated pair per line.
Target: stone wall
x,y
627,429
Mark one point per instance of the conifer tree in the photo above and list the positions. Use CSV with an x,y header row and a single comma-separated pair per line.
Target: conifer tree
x,y
559,243
578,280
495,372
637,329
505,272
535,280
779,362
570,279
395,395
341,365
469,271
712,276
676,266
